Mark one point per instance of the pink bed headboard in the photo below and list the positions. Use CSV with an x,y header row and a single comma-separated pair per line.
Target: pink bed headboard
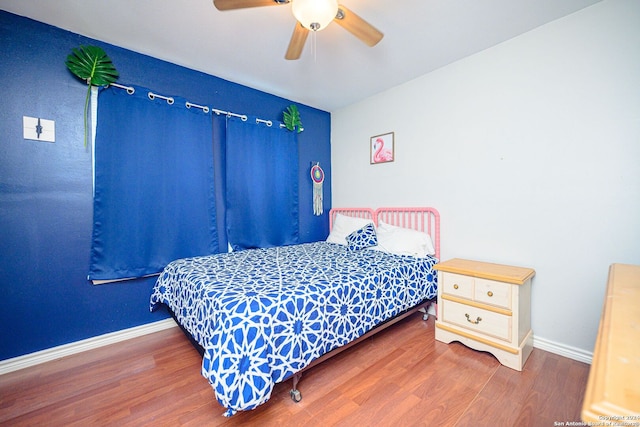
x,y
424,219
365,213
419,218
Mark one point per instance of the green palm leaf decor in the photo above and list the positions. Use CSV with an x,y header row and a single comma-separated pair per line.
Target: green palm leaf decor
x,y
291,119
91,64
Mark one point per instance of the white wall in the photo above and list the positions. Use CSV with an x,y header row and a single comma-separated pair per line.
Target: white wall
x,y
531,152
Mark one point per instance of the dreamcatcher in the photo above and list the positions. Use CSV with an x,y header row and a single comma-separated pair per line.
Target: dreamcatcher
x,y
317,176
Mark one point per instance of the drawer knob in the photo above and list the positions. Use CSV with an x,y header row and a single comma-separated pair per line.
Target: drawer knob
x,y
490,293
455,286
475,322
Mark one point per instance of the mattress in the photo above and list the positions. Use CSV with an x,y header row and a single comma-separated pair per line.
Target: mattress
x,y
262,315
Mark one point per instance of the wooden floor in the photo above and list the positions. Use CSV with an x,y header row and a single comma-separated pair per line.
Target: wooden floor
x,y
400,377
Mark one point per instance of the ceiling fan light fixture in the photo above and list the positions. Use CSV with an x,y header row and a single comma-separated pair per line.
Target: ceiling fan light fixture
x,y
314,15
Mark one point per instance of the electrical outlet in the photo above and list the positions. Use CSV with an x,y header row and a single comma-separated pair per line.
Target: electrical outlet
x,y
39,129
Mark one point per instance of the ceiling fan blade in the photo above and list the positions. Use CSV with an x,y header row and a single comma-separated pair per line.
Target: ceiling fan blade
x,y
242,4
298,38
358,26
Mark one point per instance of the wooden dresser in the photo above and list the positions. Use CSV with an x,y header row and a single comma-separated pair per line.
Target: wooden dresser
x,y
486,307
612,396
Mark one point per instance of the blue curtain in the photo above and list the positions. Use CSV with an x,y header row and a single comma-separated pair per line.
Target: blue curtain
x,y
261,184
220,177
154,189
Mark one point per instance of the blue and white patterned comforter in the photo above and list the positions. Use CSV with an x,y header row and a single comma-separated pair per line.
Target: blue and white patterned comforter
x,y
261,315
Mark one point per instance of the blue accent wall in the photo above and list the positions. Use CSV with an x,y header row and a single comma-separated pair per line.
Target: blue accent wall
x,y
45,188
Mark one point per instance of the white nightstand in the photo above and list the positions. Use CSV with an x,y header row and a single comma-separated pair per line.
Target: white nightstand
x,y
486,307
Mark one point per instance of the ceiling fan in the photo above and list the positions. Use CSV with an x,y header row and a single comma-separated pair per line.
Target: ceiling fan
x,y
312,15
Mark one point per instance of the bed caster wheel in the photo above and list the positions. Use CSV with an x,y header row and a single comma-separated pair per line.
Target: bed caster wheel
x,y
295,395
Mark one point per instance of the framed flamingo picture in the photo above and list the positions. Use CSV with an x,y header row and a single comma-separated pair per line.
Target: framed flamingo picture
x,y
381,147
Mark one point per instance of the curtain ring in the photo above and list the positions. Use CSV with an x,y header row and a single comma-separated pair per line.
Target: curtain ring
x,y
244,118
151,96
204,108
170,101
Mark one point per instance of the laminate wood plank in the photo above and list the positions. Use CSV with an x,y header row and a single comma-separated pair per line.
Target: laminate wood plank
x,y
507,391
401,376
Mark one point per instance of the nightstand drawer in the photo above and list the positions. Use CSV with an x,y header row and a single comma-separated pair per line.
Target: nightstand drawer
x,y
476,319
456,284
494,293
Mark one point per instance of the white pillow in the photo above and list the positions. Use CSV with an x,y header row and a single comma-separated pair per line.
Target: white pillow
x,y
344,225
404,241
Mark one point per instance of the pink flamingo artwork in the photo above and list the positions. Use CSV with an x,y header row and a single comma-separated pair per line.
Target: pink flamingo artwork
x,y
382,154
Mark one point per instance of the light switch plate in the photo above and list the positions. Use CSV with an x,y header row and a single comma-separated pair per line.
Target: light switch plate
x,y
39,129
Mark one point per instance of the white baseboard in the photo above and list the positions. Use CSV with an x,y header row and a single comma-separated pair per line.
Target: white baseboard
x,y
49,354
563,350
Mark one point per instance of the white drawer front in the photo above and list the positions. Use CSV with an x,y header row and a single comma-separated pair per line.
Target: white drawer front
x,y
494,293
478,320
457,284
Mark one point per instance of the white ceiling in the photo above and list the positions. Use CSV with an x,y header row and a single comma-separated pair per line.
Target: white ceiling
x,y
247,46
